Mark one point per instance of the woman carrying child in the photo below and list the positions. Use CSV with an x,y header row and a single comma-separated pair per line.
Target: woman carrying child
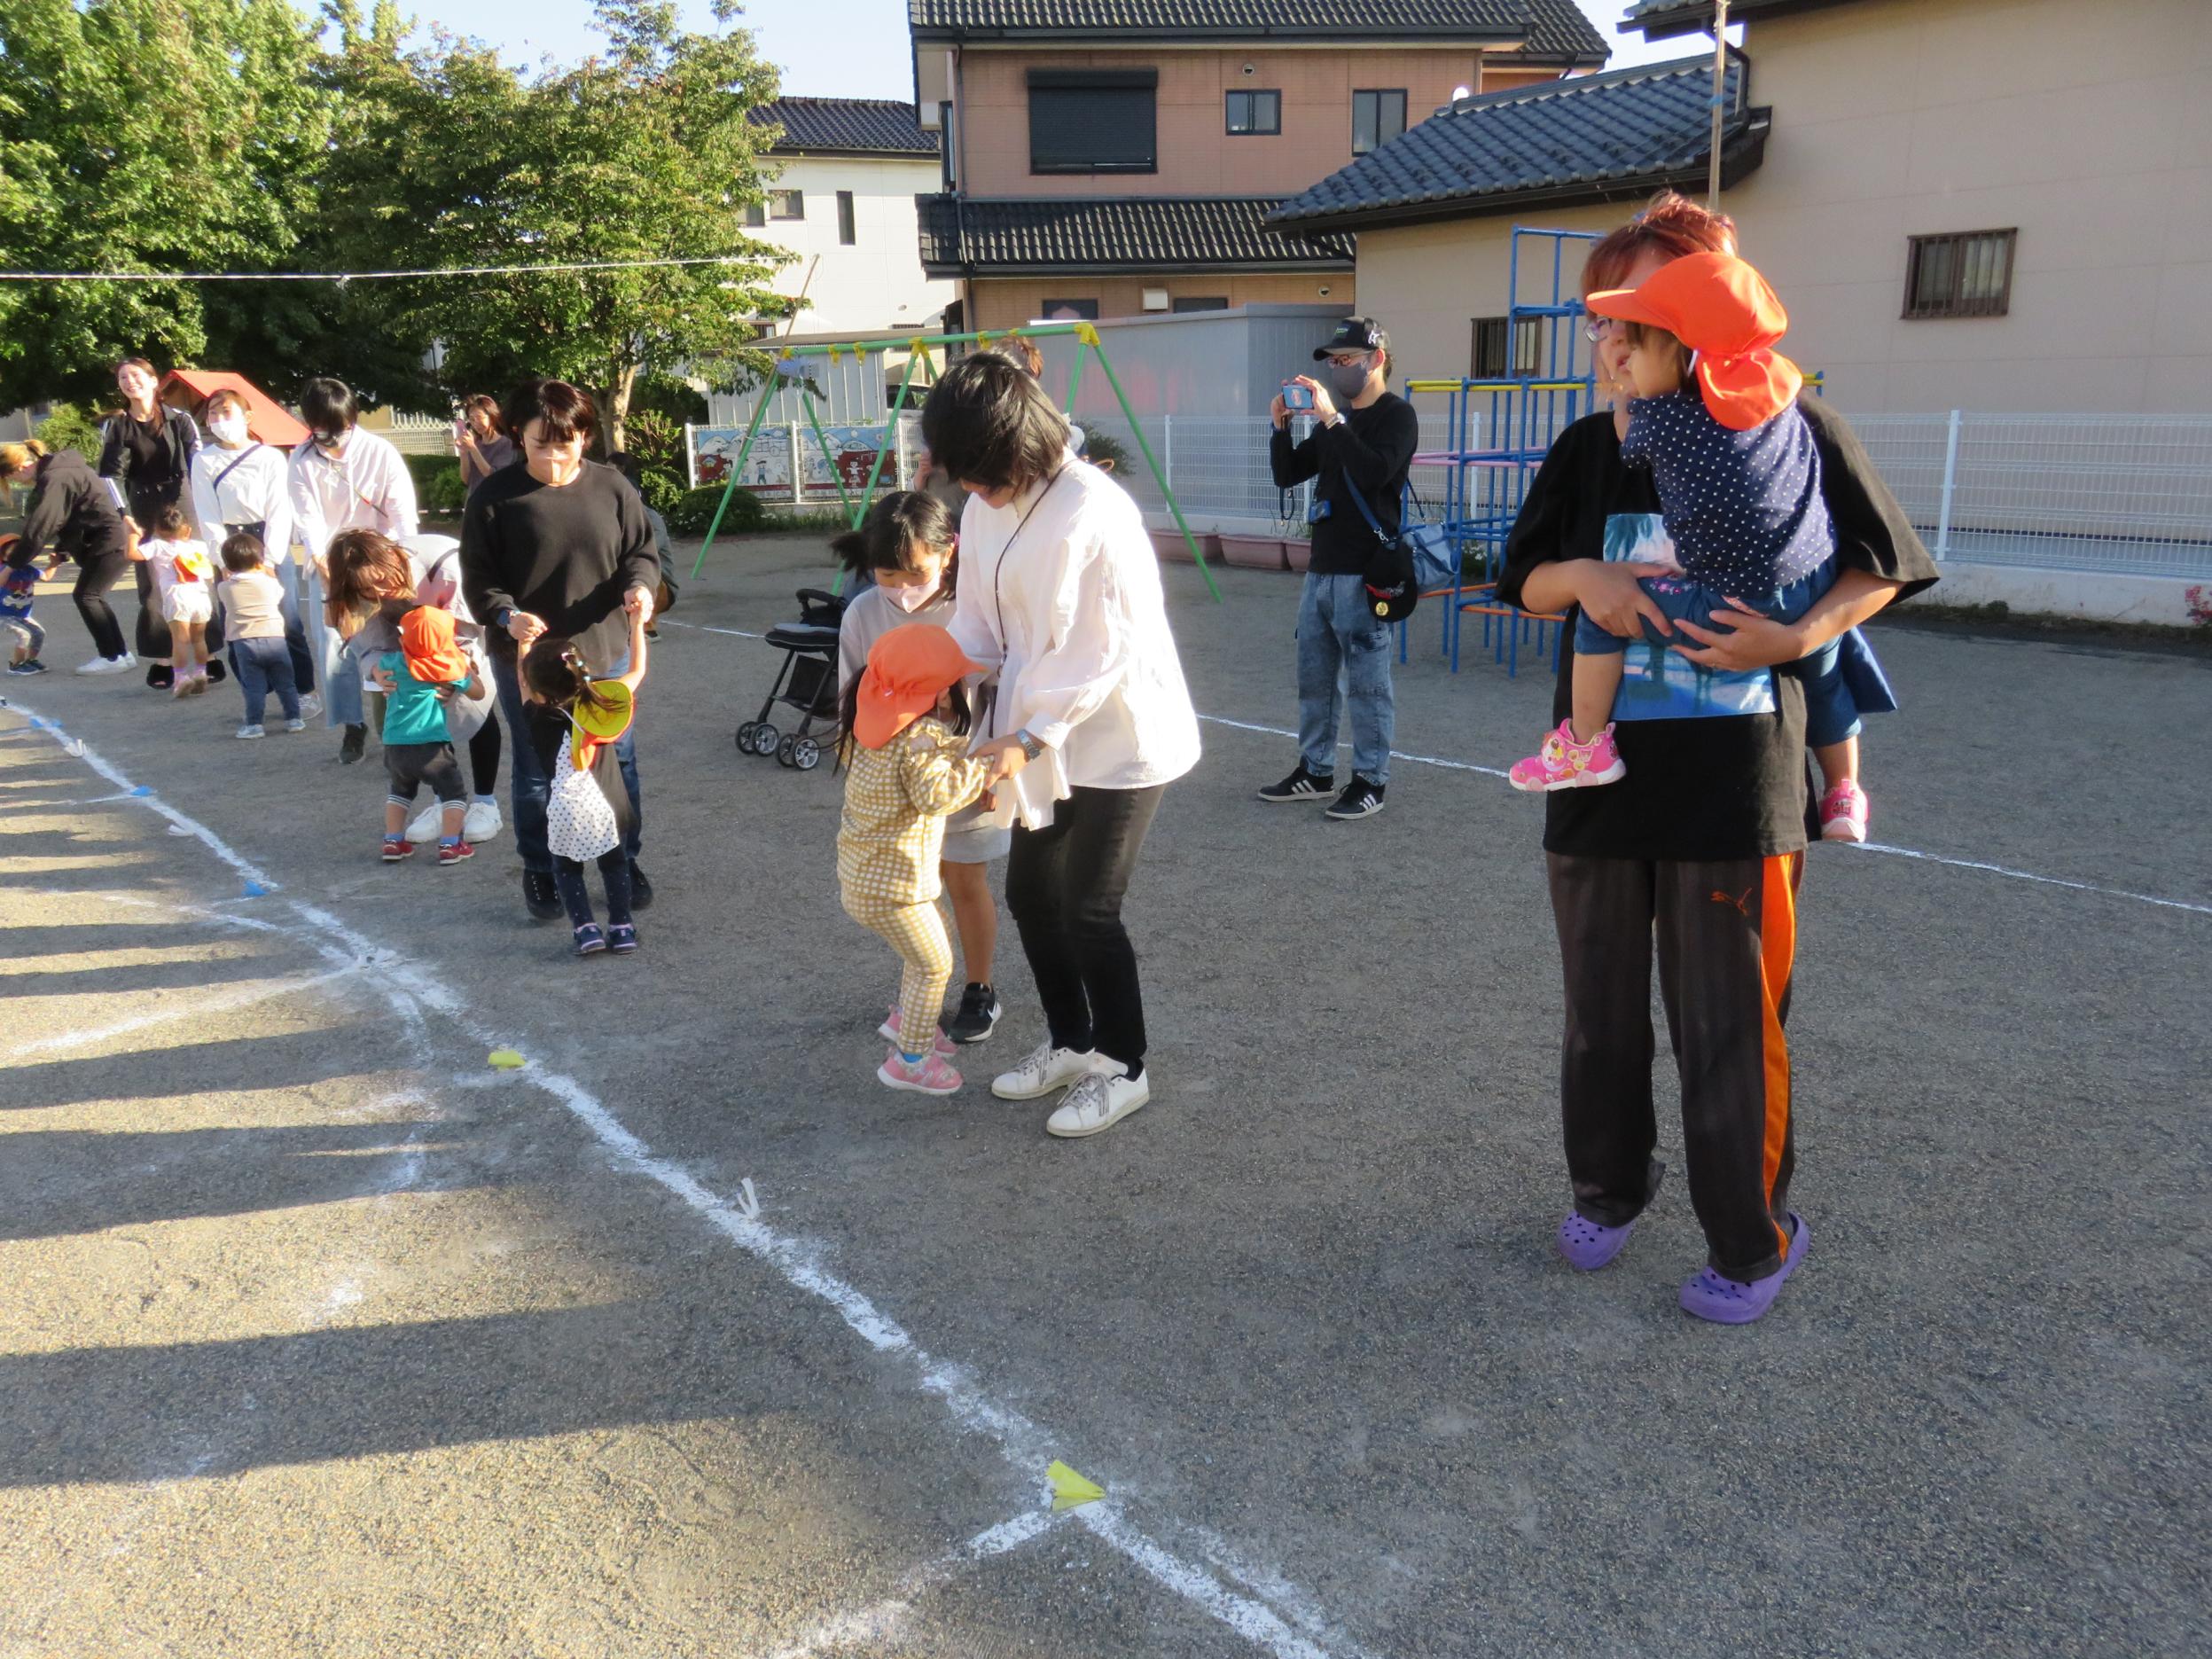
x,y
575,724
184,588
904,719
1697,851
260,652
908,546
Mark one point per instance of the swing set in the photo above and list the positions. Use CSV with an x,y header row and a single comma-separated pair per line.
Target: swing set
x,y
918,355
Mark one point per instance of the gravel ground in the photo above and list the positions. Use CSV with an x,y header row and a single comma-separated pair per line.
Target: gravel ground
x,y
321,1337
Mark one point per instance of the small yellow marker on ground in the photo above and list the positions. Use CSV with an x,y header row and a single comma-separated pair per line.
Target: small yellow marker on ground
x,y
1070,1489
506,1058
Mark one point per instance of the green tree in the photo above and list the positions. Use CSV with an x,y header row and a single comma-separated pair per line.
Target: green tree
x,y
446,158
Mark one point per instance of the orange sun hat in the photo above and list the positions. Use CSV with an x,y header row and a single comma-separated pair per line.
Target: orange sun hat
x,y
425,639
1723,310
908,670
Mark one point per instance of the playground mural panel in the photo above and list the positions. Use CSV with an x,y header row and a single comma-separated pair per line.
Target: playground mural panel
x,y
767,469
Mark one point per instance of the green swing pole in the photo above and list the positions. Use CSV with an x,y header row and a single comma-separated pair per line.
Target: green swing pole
x,y
760,411
1107,367
890,436
1076,375
822,439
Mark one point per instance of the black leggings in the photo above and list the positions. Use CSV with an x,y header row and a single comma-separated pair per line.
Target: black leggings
x,y
483,755
96,573
1064,885
613,875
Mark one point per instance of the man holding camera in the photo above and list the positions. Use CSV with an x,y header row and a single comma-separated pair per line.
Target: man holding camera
x,y
1363,440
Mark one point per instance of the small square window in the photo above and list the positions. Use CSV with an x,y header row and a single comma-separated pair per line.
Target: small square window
x,y
847,230
1202,303
1505,350
1377,118
1255,113
786,204
1966,273
1069,310
755,214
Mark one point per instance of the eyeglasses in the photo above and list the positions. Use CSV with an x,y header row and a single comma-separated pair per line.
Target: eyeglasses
x,y
1598,328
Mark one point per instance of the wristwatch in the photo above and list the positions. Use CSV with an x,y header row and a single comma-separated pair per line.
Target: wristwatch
x,y
1030,746
500,617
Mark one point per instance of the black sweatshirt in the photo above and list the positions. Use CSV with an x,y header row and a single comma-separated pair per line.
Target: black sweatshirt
x,y
70,509
1373,446
151,465
566,555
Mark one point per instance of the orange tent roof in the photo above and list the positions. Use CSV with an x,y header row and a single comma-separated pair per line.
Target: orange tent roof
x,y
266,419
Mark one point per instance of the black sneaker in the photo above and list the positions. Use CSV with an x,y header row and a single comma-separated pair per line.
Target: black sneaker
x,y
160,677
351,746
978,1017
540,894
640,889
1360,799
1300,785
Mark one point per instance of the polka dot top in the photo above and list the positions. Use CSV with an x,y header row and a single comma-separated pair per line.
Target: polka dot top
x,y
1744,508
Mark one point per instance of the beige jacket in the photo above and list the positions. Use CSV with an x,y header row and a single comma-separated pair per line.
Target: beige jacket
x,y
897,798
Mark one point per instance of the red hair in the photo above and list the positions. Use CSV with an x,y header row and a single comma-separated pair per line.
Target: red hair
x,y
1671,224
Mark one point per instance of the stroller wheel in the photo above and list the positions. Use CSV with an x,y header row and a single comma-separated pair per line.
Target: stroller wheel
x,y
765,738
806,754
744,737
784,750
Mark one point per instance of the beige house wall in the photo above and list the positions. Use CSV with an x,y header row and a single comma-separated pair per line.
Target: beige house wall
x,y
1895,118
1011,302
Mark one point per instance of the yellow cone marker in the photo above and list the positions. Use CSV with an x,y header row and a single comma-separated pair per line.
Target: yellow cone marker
x,y
1070,1489
506,1058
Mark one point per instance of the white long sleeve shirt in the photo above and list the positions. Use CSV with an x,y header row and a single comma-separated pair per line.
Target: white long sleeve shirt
x,y
1068,608
365,486
254,488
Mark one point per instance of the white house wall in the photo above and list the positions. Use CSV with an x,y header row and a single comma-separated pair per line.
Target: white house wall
x,y
877,283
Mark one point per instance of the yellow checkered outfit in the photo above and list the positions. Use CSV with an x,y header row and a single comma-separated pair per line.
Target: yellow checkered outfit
x,y
889,841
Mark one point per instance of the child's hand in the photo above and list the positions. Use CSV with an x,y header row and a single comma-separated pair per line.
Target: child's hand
x,y
385,680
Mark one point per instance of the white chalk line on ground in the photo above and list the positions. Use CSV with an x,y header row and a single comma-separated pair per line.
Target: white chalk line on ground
x,y
1022,1443
184,1007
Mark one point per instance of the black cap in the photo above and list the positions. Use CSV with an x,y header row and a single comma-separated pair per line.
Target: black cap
x,y
1355,333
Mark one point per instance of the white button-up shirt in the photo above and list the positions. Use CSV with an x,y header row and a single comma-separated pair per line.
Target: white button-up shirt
x,y
255,488
1068,610
366,485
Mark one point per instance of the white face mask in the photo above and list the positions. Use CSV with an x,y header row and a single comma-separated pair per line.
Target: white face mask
x,y
227,429
911,599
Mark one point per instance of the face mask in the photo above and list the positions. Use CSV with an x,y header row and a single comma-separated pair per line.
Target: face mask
x,y
1347,379
911,599
227,429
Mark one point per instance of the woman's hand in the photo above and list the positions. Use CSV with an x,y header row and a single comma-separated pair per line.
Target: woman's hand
x,y
1006,757
524,629
1741,639
1611,597
385,680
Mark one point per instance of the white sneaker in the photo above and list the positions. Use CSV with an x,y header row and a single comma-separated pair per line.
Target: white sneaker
x,y
250,731
109,665
310,705
483,823
1097,1102
1048,1068
295,725
427,824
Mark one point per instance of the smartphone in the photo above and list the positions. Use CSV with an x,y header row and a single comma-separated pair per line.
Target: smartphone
x,y
1297,397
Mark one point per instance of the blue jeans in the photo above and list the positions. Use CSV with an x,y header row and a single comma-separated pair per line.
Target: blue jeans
x,y
262,666
528,786
1340,633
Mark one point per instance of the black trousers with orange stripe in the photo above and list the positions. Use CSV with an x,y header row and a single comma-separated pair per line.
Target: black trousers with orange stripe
x,y
1727,937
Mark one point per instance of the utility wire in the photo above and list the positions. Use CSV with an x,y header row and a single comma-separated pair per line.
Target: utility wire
x,y
359,275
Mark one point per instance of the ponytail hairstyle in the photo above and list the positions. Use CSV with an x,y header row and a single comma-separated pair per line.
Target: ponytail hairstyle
x,y
17,459
170,523
555,669
894,527
367,568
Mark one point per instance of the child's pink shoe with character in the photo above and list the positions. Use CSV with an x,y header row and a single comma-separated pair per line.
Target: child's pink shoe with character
x,y
1563,764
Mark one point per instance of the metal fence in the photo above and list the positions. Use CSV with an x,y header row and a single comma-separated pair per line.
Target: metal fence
x,y
2122,495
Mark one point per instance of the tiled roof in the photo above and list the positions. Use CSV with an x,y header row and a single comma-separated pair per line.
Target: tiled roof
x,y
1660,19
848,126
1559,34
1097,236
1502,20
1561,141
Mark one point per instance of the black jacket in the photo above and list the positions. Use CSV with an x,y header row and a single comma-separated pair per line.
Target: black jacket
x,y
70,510
566,555
1373,447
168,484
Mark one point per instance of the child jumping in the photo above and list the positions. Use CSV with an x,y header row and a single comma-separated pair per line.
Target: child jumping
x,y
1714,416
905,723
575,722
184,588
908,547
19,588
253,627
418,748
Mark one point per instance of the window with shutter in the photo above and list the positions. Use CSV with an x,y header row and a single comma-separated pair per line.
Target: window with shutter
x,y
1093,121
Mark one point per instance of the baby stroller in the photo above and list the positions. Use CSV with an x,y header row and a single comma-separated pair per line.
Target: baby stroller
x,y
807,682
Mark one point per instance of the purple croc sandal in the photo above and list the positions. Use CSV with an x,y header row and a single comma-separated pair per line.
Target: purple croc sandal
x,y
1729,1301
1588,1245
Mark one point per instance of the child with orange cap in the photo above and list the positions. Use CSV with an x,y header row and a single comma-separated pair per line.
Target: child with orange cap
x,y
1715,417
906,716
418,747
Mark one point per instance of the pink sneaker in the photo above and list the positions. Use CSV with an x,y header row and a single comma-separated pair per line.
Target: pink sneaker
x,y
889,1032
928,1075
1563,764
1843,813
